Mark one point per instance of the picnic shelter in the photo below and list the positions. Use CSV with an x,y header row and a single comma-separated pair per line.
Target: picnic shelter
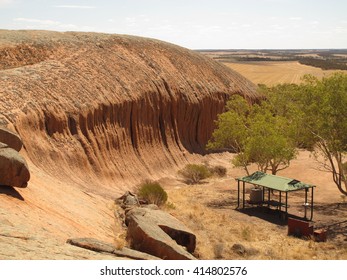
x,y
268,183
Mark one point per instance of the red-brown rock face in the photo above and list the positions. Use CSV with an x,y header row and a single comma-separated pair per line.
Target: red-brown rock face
x,y
103,110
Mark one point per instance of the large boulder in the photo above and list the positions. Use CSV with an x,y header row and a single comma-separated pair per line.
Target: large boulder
x,y
10,138
160,234
14,170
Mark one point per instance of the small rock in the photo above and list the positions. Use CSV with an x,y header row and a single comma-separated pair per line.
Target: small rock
x,y
128,200
239,248
252,251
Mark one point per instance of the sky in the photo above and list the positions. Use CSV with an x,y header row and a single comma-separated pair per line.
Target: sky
x,y
194,24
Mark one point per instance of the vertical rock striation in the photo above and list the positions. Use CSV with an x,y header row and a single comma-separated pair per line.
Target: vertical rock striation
x,y
110,109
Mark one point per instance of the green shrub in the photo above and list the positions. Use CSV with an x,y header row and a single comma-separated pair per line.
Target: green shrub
x,y
194,173
152,192
218,170
169,205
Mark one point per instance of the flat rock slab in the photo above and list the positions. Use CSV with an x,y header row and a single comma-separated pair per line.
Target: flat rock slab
x,y
92,244
11,138
133,254
14,170
160,234
103,247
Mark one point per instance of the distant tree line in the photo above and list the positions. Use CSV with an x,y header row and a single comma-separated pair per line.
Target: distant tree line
x,y
326,62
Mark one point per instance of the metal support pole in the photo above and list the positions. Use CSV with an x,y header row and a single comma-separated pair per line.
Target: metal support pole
x,y
286,202
263,195
243,194
305,205
238,193
268,199
311,203
280,207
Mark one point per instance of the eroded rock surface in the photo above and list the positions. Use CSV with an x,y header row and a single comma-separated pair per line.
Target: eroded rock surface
x,y
110,108
96,114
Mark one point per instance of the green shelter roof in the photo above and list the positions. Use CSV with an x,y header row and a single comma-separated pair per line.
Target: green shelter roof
x,y
275,182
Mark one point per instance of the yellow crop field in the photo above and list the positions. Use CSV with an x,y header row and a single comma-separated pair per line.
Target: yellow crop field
x,y
271,73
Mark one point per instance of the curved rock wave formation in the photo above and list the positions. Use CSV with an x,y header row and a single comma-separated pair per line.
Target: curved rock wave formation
x,y
110,108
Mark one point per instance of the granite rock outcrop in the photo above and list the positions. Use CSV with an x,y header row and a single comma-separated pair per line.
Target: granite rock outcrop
x,y
97,114
103,108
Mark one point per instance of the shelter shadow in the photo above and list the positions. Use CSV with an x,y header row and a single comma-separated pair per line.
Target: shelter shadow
x,y
265,213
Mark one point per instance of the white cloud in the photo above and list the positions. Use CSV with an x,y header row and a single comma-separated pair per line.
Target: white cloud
x,y
278,27
5,2
340,30
74,7
33,23
295,18
38,21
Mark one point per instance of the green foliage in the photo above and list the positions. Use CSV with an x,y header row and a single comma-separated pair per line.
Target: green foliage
x,y
325,103
231,132
153,193
312,115
170,206
325,64
269,145
256,133
194,173
283,102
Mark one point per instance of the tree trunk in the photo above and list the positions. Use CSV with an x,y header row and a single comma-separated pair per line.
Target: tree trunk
x,y
342,180
335,161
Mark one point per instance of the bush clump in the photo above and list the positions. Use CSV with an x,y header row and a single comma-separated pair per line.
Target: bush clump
x,y
218,170
152,192
194,173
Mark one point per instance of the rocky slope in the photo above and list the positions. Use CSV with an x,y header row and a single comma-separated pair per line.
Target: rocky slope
x,y
98,113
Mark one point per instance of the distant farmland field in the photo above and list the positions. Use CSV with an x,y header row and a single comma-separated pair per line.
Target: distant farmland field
x,y
276,72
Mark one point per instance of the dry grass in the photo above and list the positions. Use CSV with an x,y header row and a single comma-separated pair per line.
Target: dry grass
x,y
219,228
209,210
119,230
271,73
